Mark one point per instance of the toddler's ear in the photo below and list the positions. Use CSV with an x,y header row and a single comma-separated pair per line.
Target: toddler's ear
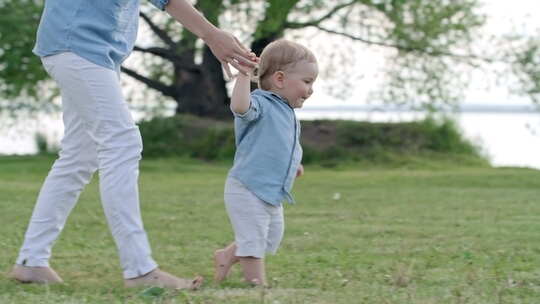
x,y
278,78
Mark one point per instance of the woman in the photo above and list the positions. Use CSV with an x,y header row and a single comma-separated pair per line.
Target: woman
x,y
82,44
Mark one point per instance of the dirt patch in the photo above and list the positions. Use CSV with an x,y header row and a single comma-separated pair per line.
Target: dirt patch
x,y
319,134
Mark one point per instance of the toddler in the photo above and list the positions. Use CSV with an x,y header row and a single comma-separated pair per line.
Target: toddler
x,y
268,155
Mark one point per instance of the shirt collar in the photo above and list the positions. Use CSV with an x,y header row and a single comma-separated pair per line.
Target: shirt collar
x,y
271,95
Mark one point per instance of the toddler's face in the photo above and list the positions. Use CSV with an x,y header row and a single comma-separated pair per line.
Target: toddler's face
x,y
298,83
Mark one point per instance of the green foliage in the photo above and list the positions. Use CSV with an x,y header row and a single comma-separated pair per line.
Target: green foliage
x,y
427,47
212,9
425,72
20,70
44,146
327,143
427,27
187,136
275,18
432,26
526,66
41,143
445,136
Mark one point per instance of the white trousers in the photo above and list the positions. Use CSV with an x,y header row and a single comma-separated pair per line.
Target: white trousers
x,y
101,135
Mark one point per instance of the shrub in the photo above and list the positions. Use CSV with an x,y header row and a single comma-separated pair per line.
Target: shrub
x,y
325,142
184,135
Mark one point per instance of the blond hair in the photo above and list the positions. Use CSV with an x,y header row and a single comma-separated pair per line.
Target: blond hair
x,y
280,55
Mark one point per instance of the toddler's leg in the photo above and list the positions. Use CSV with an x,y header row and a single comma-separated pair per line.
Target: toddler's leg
x,y
224,259
275,230
254,271
250,218
254,268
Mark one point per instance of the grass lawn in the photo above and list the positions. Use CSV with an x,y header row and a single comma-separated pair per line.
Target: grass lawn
x,y
356,235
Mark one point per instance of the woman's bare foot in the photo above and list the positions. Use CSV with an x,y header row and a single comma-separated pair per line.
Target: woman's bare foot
x,y
224,259
39,275
163,279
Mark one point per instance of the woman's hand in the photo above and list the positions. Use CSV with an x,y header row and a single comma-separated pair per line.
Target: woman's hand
x,y
226,48
229,51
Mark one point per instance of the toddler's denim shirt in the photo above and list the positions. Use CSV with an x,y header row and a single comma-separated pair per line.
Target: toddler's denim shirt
x,y
268,151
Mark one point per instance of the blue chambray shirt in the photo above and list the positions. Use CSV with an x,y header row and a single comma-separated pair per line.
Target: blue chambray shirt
x,y
268,151
100,31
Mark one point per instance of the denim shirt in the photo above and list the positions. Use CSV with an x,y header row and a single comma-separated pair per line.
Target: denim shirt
x,y
101,31
268,151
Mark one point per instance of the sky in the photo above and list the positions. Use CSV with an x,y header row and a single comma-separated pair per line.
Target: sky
x,y
503,15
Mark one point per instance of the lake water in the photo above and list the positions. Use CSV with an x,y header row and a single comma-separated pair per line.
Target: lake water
x,y
507,138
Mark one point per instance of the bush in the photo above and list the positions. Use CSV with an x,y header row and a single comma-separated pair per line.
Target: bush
x,y
375,142
325,142
187,136
44,146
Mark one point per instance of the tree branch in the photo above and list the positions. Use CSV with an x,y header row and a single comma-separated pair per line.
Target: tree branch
x,y
163,35
316,23
295,25
154,84
406,48
158,51
175,59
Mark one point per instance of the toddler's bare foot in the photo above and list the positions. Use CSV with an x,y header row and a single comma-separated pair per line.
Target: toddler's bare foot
x,y
161,278
40,275
256,282
223,261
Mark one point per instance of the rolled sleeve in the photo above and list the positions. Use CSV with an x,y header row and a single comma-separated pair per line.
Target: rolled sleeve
x,y
252,113
160,3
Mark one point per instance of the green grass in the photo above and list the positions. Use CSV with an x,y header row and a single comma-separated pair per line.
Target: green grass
x,y
357,235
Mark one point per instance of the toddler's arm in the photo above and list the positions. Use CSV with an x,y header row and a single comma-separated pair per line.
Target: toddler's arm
x,y
240,99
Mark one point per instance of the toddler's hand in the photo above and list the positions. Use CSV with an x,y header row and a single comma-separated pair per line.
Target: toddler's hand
x,y
248,68
300,171
245,69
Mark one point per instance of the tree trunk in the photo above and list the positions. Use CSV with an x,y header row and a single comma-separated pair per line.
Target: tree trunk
x,y
202,92
259,44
